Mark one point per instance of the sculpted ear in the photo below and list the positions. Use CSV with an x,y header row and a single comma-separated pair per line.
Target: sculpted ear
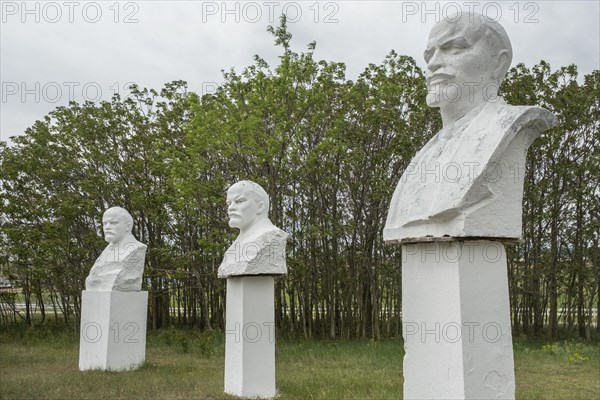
x,y
502,64
261,207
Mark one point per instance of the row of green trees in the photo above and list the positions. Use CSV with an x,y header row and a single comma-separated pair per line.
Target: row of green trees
x,y
329,151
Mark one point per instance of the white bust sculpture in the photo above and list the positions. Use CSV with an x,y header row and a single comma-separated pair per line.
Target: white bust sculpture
x,y
467,181
121,264
259,249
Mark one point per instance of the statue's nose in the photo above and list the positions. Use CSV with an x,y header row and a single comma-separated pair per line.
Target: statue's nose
x,y
435,62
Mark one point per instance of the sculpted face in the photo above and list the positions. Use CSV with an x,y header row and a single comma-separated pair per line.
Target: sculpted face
x,y
463,66
243,210
115,225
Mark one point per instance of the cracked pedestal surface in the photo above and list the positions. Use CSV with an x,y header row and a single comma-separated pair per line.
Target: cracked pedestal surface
x,y
456,321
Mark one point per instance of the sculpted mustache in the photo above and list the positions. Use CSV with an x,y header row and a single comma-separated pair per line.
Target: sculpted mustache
x,y
438,76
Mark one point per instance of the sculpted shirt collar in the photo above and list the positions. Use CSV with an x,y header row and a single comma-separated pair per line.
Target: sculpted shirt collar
x,y
121,244
261,227
115,252
450,131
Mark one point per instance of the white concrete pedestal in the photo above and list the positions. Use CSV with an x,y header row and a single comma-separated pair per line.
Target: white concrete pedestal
x,y
250,336
113,330
456,321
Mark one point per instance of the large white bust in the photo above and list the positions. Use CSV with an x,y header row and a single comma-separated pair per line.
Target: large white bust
x,y
467,181
259,249
121,265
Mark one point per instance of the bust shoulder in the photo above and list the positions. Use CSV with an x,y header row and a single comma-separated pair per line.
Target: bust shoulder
x,y
261,253
513,120
464,172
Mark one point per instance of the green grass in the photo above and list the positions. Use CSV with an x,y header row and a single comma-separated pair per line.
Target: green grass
x,y
189,365
560,370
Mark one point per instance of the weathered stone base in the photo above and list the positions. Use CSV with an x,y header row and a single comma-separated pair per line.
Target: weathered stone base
x,y
113,330
250,337
456,321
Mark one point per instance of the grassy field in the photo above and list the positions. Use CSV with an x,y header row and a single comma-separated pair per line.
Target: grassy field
x,y
189,365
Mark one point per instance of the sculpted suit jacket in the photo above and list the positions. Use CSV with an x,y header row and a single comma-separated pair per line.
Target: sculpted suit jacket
x,y
119,267
262,253
467,181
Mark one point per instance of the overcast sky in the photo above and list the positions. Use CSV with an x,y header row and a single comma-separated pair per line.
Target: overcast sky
x,y
53,52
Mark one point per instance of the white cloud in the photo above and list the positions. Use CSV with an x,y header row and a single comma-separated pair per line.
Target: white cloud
x,y
194,41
